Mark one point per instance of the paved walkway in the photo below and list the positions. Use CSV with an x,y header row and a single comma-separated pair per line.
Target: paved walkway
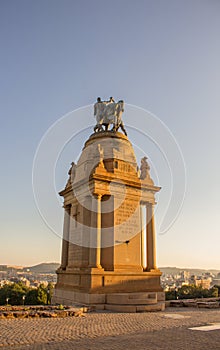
x,y
110,331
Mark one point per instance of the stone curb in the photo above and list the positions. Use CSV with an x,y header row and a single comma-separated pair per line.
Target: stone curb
x,y
41,312
196,303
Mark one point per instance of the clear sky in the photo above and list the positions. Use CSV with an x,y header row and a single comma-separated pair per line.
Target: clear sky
x,y
162,56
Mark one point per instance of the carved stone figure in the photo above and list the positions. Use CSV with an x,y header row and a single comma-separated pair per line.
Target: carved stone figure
x,y
144,168
109,112
111,100
99,107
101,154
119,122
71,173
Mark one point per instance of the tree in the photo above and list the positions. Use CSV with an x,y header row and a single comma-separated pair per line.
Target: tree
x,y
193,292
31,298
41,294
50,288
170,295
13,291
218,289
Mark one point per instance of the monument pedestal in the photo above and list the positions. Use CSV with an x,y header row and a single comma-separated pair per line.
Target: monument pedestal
x,y
109,251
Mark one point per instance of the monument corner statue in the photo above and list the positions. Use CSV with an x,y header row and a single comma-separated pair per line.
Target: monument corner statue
x,y
109,112
71,173
144,169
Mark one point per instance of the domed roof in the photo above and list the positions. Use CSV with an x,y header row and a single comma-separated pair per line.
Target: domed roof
x,y
106,148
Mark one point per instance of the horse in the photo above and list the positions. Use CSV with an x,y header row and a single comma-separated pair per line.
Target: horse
x,y
112,115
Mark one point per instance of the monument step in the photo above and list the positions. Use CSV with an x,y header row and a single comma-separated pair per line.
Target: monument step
x,y
136,308
131,298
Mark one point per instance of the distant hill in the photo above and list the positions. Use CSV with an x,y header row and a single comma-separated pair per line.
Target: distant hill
x,y
176,270
10,268
43,268
52,267
40,268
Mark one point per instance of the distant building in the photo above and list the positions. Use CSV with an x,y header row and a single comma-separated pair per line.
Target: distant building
x,y
185,275
203,282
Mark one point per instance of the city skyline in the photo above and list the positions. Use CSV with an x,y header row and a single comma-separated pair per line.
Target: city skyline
x,y
161,57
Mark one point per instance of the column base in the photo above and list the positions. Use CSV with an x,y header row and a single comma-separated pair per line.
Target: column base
x,y
95,267
154,269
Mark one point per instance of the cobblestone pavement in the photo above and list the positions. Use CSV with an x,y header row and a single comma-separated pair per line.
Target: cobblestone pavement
x,y
101,331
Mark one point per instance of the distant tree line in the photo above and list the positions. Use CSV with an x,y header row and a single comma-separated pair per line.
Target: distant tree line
x,y
193,292
20,294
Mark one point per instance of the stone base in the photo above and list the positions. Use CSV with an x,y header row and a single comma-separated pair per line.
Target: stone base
x,y
119,302
99,281
68,297
160,306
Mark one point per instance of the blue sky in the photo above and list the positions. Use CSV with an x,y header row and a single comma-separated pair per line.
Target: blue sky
x,y
163,56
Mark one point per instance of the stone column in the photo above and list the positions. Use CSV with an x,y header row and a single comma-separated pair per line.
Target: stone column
x,y
65,244
95,237
150,230
143,235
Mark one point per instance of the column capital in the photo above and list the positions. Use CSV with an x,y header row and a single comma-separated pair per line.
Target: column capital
x,y
67,206
147,204
97,196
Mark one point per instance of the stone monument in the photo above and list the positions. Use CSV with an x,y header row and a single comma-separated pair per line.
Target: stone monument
x,y
108,251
